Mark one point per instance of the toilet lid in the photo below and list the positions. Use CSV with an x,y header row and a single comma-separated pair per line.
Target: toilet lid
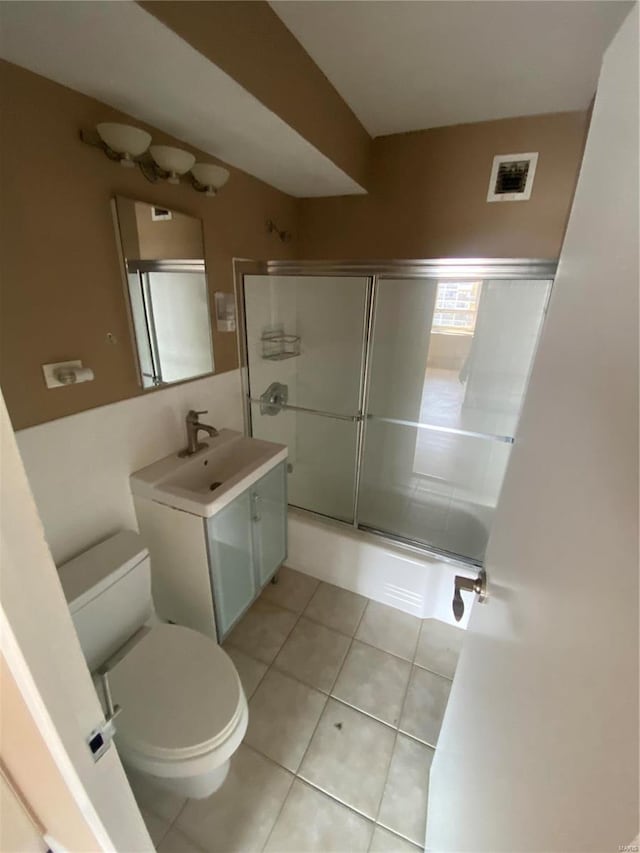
x,y
179,692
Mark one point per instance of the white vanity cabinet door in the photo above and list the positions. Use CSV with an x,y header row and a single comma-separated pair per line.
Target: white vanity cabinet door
x,y
231,560
269,504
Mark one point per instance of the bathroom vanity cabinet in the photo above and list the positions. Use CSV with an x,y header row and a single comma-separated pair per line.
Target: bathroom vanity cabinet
x,y
206,572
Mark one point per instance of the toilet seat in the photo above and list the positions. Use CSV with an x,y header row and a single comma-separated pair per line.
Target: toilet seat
x,y
180,695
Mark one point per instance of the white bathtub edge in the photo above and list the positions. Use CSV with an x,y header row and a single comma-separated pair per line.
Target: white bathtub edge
x,y
356,561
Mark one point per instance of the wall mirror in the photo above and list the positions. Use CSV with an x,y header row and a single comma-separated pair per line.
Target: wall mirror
x,y
166,288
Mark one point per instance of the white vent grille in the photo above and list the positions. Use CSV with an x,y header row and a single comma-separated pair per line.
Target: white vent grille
x,y
512,177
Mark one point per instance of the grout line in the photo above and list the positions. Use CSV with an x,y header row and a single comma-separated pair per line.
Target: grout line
x,y
329,695
433,671
317,787
367,714
416,739
173,823
400,835
395,740
304,755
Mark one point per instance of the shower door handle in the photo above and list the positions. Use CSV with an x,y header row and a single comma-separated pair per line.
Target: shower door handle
x,y
462,584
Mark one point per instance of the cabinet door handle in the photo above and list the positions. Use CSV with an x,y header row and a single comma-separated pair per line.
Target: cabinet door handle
x,y
256,507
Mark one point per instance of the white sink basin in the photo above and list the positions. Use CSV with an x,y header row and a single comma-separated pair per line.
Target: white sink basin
x,y
206,482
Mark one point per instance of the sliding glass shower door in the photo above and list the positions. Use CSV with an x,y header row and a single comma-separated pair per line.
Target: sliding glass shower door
x,y
449,367
305,359
398,395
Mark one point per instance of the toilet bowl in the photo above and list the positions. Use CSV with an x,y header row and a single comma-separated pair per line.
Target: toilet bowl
x,y
183,711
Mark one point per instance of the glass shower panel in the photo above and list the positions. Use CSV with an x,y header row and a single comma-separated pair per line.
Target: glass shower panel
x,y
306,332
449,365
400,347
496,369
179,308
432,487
321,462
305,339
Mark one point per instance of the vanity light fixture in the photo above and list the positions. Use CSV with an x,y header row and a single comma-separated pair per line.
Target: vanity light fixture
x,y
173,161
129,146
124,141
208,178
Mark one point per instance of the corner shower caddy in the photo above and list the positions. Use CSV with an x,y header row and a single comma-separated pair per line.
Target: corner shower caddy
x,y
276,345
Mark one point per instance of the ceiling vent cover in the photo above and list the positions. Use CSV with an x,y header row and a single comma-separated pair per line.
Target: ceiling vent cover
x,y
512,177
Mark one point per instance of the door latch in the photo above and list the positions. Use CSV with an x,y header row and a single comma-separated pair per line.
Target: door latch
x,y
477,585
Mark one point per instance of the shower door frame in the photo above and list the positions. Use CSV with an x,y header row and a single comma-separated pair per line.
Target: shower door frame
x,y
437,269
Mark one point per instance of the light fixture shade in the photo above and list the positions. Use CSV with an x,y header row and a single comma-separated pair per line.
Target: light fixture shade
x,y
176,161
210,175
124,139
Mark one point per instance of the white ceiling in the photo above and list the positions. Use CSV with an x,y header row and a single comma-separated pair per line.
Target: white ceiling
x,y
118,53
405,66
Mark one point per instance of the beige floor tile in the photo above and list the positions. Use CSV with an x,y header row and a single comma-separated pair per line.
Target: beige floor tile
x,y
176,842
283,714
373,681
349,756
313,654
157,826
336,608
404,802
424,707
389,629
293,590
311,821
262,630
154,799
250,670
239,816
439,647
384,841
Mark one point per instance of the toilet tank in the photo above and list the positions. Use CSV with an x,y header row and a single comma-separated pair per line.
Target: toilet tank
x,y
108,589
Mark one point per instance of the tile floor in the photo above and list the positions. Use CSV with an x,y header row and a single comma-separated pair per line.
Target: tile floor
x,y
346,698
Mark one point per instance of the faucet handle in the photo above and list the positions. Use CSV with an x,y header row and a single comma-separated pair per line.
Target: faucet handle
x,y
194,414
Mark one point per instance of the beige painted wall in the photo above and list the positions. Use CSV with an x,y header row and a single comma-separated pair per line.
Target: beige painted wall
x,y
60,282
427,195
148,239
249,41
60,285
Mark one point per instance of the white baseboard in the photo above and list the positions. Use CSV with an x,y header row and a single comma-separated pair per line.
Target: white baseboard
x,y
359,562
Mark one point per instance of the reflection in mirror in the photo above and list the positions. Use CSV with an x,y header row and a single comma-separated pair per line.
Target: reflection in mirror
x,y
166,280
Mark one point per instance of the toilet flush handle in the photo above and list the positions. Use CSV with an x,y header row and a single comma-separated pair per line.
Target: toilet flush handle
x,y
99,739
112,710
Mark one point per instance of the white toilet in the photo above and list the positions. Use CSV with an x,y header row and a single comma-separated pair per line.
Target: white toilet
x,y
184,712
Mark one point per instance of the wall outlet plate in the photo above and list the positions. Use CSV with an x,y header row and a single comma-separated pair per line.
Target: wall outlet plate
x,y
49,371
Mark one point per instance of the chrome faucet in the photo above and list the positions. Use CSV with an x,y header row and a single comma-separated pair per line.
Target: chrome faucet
x,y
193,428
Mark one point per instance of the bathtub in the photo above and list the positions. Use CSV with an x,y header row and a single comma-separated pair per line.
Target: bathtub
x,y
416,583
